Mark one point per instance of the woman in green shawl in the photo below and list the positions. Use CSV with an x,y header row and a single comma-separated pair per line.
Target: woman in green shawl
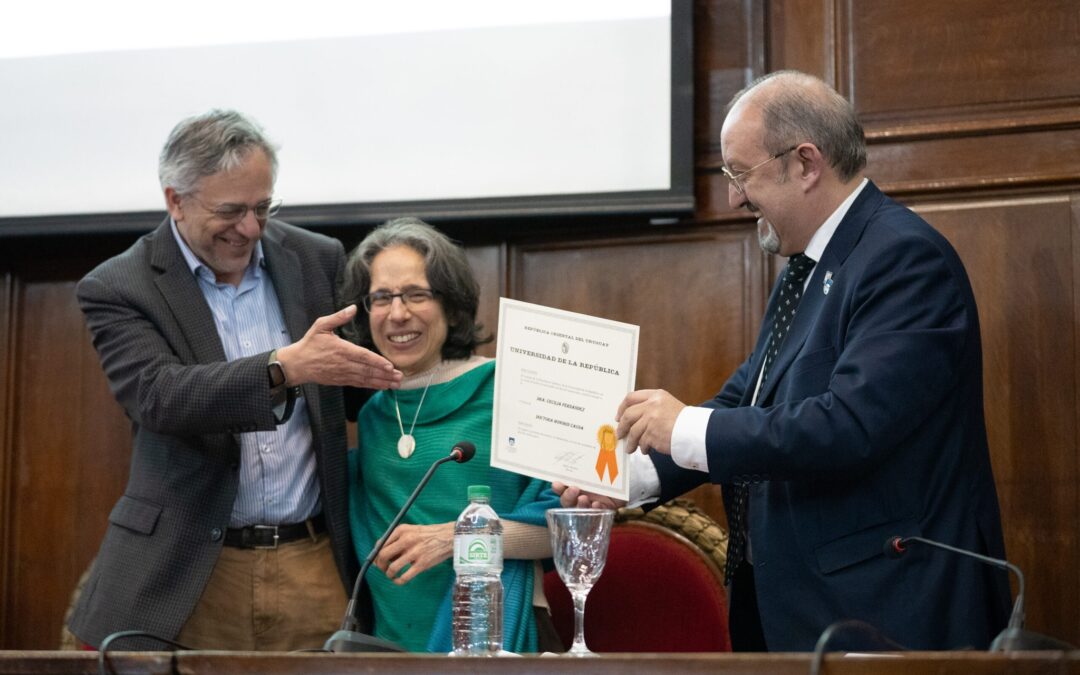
x,y
417,302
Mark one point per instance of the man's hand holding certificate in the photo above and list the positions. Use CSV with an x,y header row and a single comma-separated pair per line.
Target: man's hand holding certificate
x,y
559,380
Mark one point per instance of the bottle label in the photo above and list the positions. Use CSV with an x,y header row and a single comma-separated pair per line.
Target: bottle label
x,y
479,550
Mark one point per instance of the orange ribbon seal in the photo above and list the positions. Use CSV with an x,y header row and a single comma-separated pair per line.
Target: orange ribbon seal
x,y
606,459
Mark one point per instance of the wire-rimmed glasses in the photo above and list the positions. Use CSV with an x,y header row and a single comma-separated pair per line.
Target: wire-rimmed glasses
x,y
734,177
412,297
234,213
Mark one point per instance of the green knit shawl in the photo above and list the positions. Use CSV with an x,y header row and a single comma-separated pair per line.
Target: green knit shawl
x,y
458,410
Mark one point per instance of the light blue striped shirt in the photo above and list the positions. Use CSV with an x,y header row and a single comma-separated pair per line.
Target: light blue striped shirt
x,y
278,476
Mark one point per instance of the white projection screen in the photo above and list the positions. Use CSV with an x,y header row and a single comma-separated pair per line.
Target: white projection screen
x,y
443,109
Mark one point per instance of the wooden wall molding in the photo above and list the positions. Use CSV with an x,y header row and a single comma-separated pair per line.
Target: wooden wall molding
x,y
1032,151
1063,115
965,162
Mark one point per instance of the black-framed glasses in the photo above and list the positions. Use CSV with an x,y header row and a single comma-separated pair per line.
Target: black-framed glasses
x,y
413,298
734,177
234,213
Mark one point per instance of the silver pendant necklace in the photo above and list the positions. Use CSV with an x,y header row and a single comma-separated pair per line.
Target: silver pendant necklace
x,y
406,445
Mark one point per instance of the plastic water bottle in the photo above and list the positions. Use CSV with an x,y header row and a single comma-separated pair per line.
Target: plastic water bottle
x,y
478,592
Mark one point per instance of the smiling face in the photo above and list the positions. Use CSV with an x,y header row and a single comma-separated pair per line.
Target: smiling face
x,y
225,247
411,336
767,191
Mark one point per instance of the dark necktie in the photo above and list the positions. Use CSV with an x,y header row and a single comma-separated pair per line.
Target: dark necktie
x,y
783,312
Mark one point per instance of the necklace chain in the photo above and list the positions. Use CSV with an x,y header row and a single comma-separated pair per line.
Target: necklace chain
x,y
416,416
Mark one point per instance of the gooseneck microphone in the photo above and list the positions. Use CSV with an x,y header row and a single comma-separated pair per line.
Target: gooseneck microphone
x,y
347,638
461,453
1014,637
896,547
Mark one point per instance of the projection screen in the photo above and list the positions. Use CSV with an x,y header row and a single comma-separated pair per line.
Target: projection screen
x,y
469,108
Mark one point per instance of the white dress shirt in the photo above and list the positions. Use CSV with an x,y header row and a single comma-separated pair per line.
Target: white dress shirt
x,y
279,481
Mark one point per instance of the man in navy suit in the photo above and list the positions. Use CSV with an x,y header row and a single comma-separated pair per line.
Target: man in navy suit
x,y
859,414
216,332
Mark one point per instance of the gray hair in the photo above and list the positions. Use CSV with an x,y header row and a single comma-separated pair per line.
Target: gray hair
x,y
448,273
800,108
206,144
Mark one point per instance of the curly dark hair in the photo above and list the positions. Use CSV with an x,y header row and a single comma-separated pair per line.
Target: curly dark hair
x,y
448,273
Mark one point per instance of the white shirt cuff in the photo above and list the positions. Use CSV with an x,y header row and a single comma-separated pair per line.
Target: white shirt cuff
x,y
644,481
688,438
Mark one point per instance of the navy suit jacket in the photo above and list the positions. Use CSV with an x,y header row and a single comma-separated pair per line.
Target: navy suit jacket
x,y
162,354
870,425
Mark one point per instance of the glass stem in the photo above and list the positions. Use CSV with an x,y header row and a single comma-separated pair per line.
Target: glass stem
x,y
579,621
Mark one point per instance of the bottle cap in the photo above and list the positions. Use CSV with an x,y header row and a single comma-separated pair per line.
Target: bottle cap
x,y
479,492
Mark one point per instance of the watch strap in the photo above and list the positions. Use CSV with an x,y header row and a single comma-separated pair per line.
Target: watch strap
x,y
282,396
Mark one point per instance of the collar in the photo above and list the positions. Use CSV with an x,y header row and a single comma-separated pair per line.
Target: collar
x,y
444,371
820,240
194,264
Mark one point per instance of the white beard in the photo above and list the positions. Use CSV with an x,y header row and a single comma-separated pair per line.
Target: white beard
x,y
768,239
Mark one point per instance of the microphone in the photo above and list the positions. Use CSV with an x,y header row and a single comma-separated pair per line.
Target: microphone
x,y
462,452
1014,637
347,638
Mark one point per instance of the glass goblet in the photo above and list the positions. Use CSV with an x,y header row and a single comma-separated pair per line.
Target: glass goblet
x,y
579,544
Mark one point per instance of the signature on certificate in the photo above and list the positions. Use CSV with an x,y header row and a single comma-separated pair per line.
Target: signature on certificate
x,y
568,460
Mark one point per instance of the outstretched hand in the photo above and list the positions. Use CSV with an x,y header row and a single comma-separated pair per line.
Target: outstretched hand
x,y
323,357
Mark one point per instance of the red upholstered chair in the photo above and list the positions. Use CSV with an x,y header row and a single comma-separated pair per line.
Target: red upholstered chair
x,y
662,589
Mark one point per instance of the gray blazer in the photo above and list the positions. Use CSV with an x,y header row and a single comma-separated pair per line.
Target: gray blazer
x,y
166,366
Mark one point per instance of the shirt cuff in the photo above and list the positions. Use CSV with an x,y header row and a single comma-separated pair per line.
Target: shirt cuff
x,y
688,438
644,481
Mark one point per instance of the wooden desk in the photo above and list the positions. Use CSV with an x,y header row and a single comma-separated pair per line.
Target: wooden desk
x,y
229,663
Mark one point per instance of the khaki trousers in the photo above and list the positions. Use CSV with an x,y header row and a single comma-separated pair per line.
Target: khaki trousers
x,y
281,599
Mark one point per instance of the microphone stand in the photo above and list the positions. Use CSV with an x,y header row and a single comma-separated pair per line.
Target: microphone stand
x,y
1014,637
866,636
348,638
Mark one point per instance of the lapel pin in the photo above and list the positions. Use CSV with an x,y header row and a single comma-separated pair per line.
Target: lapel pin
x,y
828,282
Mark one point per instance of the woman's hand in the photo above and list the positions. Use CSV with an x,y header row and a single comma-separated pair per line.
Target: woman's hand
x,y
418,547
573,497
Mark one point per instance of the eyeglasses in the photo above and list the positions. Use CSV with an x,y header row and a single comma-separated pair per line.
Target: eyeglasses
x,y
413,298
734,177
234,213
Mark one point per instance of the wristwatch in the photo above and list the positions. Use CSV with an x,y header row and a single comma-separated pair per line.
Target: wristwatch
x,y
282,396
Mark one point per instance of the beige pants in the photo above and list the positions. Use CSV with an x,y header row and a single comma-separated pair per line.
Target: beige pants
x,y
281,599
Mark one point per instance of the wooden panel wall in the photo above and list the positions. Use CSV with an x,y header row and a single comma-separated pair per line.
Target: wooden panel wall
x,y
1022,252
74,458
64,442
971,110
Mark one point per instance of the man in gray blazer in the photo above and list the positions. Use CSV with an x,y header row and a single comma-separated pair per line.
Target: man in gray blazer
x,y
216,332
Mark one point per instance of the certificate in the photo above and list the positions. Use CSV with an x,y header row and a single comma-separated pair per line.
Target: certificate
x,y
559,380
